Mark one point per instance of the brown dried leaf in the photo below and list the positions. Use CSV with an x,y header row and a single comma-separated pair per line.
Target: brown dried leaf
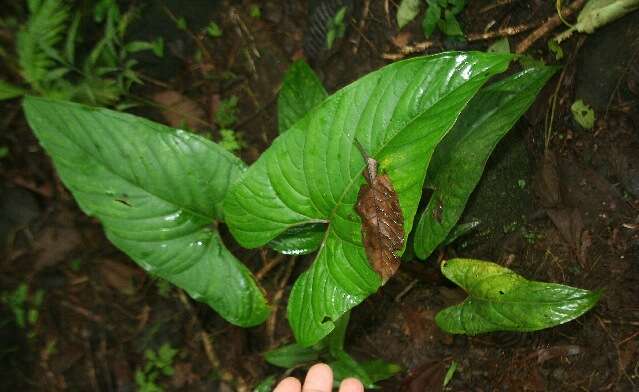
x,y
178,109
382,221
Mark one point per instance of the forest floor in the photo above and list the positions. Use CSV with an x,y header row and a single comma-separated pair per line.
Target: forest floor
x,y
567,213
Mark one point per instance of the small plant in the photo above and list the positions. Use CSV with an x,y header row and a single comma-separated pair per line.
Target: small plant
x,y
157,364
162,193
25,307
214,30
230,140
336,27
226,114
440,14
331,350
47,61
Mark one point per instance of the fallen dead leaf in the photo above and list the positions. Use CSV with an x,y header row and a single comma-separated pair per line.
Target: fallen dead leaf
x,y
55,244
120,276
179,109
401,39
382,220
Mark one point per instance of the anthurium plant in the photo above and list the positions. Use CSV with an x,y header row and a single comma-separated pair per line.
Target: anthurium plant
x,y
342,181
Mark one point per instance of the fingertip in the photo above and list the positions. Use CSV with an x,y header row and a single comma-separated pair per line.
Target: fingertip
x,y
351,385
319,378
289,384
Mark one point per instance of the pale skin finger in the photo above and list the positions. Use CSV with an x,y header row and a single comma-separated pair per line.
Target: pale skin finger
x,y
351,385
318,379
289,384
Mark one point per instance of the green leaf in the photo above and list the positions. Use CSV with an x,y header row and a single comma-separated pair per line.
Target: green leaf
x,y
301,91
407,11
500,300
214,30
255,11
226,114
345,366
266,385
335,339
69,44
450,373
583,114
500,46
156,191
459,160
431,18
555,47
9,91
299,240
291,356
312,173
450,26
379,370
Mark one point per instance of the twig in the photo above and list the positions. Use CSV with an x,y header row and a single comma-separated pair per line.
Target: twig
x,y
550,24
272,321
362,24
408,288
268,266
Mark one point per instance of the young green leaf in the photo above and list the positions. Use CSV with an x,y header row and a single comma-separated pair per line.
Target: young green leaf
x,y
301,91
407,11
312,173
450,373
156,191
9,91
431,18
214,30
299,240
583,114
500,46
459,160
500,300
291,356
266,385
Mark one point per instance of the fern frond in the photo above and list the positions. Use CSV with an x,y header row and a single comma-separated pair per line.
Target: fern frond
x,y
37,40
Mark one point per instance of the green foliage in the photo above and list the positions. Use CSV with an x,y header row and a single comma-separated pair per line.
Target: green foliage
x,y
500,300
266,385
4,152
331,350
336,27
157,364
598,13
226,115
46,52
156,191
400,113
583,114
555,48
500,46
441,14
301,92
214,30
407,11
255,11
450,373
459,160
25,307
230,140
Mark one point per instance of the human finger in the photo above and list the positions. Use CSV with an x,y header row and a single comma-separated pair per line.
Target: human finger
x,y
318,379
351,385
289,384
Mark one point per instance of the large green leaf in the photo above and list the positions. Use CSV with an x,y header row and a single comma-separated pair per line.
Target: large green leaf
x,y
292,355
459,160
157,191
500,300
301,91
312,173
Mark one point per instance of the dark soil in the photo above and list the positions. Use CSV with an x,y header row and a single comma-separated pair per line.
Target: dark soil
x,y
566,214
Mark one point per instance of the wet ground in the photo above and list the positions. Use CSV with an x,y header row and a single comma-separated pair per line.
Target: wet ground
x,y
567,213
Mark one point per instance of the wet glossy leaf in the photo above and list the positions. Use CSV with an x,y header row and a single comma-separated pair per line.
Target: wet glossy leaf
x,y
312,173
291,356
382,221
459,160
500,300
301,91
299,240
156,191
